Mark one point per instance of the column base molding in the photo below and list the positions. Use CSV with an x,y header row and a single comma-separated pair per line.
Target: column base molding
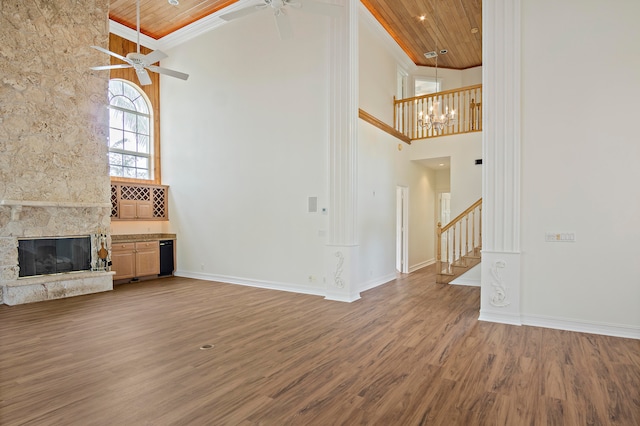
x,y
500,287
341,273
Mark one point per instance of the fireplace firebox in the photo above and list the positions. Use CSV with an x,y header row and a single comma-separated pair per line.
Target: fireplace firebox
x,y
45,256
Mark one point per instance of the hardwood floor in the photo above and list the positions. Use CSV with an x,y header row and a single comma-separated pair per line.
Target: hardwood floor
x,y
410,352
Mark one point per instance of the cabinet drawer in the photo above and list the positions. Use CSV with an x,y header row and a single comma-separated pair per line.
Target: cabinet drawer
x,y
123,246
147,245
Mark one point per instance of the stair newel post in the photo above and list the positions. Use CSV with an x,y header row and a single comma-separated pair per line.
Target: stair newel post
x,y
439,248
446,245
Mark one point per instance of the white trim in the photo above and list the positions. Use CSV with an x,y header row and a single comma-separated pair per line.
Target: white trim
x,y
343,298
502,318
249,282
466,282
199,27
607,329
378,282
501,139
131,35
421,265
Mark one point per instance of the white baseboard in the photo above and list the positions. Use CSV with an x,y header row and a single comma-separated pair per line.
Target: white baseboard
x,y
606,329
421,265
271,285
377,281
465,281
502,318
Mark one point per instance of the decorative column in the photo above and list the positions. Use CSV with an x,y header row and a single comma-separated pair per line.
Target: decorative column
x,y
341,251
501,277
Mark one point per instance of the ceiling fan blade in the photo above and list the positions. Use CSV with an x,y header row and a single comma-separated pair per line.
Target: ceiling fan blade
x,y
284,26
143,77
108,52
154,57
167,71
317,7
111,67
241,12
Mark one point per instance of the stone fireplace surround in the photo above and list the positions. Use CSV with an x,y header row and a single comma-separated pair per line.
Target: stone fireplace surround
x,y
22,219
54,173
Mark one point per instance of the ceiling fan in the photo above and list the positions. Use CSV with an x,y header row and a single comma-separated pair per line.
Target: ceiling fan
x,y
139,62
280,14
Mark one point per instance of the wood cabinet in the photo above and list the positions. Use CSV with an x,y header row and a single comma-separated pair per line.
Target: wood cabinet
x,y
139,202
135,259
133,209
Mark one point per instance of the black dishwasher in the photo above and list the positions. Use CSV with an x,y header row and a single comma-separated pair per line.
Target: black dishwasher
x,y
166,257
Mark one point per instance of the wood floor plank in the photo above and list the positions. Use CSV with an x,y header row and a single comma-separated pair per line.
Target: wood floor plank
x,y
410,352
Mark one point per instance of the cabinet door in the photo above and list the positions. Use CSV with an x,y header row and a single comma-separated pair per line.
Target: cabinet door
x,y
144,210
127,209
147,258
123,261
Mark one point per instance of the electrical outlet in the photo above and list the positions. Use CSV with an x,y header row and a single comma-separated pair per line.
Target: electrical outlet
x,y
560,237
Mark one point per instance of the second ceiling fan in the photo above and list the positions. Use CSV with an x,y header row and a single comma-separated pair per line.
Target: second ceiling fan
x,y
279,8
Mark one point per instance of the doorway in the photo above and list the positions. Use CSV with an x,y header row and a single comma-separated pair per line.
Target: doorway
x,y
402,229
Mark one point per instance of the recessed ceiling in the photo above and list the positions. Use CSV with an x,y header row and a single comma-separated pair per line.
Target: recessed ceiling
x,y
440,163
456,28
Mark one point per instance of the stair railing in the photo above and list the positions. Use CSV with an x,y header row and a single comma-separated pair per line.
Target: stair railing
x,y
466,101
459,238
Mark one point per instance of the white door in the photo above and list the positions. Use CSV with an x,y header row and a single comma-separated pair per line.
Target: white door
x,y
402,229
444,212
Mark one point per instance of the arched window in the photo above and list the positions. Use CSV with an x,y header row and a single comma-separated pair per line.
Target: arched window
x,y
130,131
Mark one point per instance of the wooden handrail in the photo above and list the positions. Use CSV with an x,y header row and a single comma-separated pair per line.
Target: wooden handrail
x,y
462,215
457,232
465,101
444,92
382,126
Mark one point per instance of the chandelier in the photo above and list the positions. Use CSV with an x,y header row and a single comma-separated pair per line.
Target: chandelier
x,y
435,119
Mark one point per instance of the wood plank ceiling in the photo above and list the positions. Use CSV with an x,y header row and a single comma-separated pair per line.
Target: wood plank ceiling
x,y
457,27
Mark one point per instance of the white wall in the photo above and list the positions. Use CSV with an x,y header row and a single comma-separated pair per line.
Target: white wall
x,y
465,176
450,79
244,144
580,155
471,76
443,180
382,167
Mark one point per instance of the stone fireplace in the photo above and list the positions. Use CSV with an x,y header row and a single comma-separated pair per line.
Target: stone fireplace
x,y
54,179
46,222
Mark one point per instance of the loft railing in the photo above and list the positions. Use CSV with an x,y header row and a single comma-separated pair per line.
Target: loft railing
x,y
466,101
459,239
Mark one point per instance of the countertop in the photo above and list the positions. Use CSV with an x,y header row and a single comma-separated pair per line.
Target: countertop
x,y
125,238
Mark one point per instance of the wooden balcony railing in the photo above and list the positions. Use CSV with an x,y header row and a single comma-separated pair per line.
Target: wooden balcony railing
x,y
459,242
466,101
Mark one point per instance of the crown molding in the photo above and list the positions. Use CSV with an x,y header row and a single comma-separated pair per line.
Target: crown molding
x,y
184,34
132,35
